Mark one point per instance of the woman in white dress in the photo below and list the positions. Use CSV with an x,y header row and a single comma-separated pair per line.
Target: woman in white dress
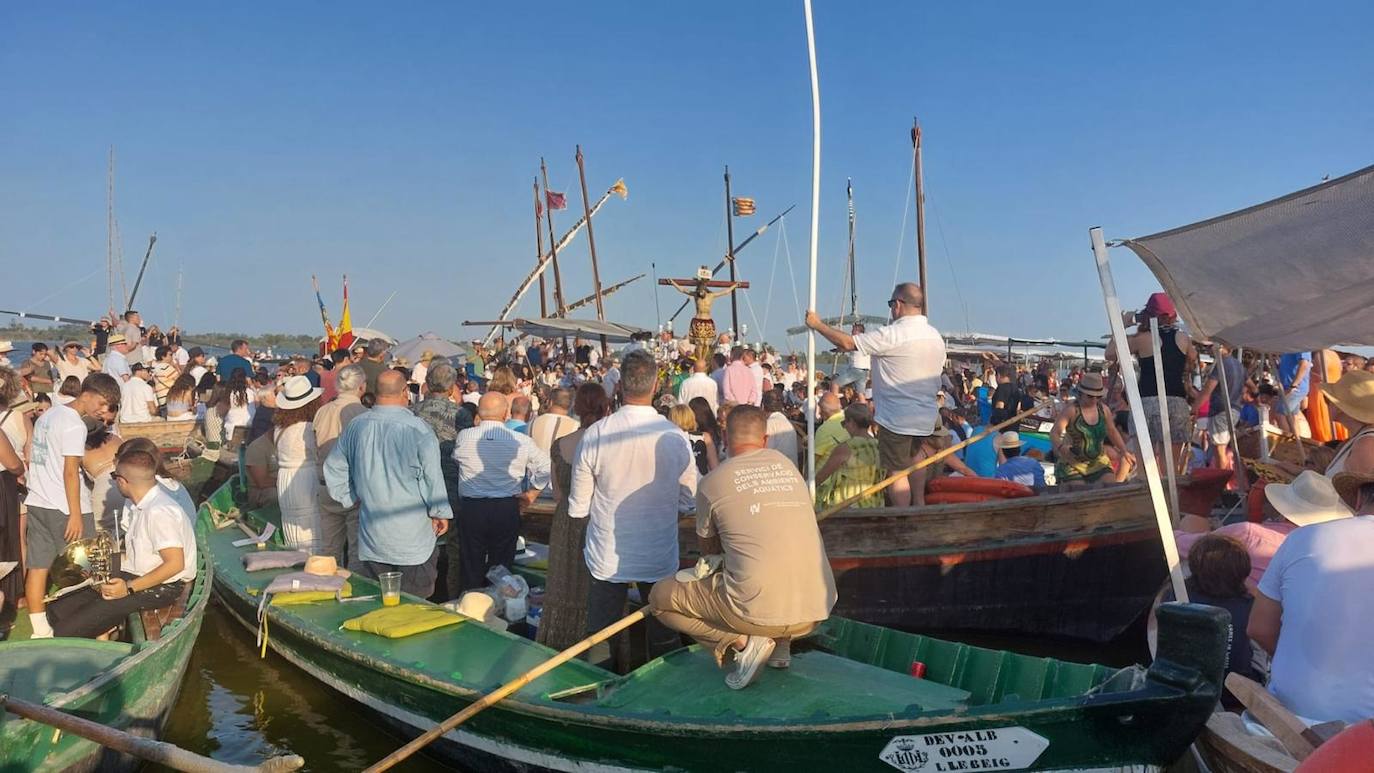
x,y
298,465
242,405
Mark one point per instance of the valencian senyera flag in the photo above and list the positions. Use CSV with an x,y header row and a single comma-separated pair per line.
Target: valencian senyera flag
x,y
744,206
345,332
556,200
331,338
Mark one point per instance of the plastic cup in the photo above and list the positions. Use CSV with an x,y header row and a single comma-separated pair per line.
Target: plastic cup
x,y
391,588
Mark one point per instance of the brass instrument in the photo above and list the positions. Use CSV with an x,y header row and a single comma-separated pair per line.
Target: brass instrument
x,y
83,562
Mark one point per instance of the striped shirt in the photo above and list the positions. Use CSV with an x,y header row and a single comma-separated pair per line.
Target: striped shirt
x,y
495,461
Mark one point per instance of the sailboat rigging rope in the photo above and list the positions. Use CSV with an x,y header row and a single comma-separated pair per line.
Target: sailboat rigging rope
x,y
50,296
901,237
772,274
940,225
796,299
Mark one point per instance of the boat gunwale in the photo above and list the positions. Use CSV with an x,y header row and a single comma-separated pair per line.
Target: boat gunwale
x,y
546,708
140,652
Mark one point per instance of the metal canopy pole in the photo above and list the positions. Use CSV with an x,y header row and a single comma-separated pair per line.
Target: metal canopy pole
x,y
1123,358
1237,465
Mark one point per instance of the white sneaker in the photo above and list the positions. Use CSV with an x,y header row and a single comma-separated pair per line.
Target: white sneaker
x,y
6,567
748,661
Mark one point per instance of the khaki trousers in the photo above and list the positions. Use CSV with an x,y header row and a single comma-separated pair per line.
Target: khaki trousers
x,y
700,610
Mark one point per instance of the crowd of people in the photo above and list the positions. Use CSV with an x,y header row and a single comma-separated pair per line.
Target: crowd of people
x,y
387,466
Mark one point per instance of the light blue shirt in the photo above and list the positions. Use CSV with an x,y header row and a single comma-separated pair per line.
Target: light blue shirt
x,y
494,461
387,460
117,365
1023,470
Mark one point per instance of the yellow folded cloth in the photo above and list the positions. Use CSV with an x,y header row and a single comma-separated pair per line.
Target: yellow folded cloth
x,y
308,596
402,620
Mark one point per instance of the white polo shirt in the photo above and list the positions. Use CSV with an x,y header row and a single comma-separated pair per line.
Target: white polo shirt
x,y
157,522
907,357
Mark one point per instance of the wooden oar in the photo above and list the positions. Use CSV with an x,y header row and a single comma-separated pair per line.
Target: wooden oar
x,y
497,695
926,462
159,752
1299,739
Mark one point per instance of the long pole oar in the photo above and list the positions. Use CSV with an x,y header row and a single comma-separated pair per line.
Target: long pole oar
x,y
500,693
929,460
160,752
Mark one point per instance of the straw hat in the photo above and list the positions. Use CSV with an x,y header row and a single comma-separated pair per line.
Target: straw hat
x,y
1348,484
297,392
66,344
1353,394
1007,440
1091,385
325,566
1310,498
116,338
6,347
480,607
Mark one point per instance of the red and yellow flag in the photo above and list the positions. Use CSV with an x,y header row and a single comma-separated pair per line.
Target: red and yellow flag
x,y
345,331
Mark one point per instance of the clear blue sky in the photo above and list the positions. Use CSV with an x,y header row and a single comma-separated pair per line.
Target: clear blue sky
x,y
396,142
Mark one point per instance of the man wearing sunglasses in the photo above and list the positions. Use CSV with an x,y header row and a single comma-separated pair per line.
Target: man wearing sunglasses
x,y
159,556
907,357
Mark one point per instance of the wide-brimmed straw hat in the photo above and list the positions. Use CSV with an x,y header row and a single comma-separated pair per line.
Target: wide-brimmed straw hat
x,y
1007,440
325,566
1090,384
1311,498
1353,394
115,339
296,392
6,346
1348,485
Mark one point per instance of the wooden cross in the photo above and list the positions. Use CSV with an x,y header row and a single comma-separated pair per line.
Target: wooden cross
x,y
693,282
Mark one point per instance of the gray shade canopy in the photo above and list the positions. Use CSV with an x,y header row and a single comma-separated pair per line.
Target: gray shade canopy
x,y
428,341
557,327
1290,275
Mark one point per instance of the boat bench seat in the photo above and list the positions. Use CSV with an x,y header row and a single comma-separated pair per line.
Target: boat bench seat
x,y
818,685
154,619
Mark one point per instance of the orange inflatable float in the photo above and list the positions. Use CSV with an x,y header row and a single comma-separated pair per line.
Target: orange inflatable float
x,y
987,488
1351,751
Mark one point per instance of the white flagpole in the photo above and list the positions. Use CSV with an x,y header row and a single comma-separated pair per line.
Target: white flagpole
x,y
1165,428
1147,458
815,233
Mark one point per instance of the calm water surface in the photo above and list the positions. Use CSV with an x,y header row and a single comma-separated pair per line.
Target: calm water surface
x,y
241,709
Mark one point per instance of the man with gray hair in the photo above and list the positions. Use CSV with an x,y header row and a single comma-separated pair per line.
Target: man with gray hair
x,y
439,410
633,475
339,524
372,364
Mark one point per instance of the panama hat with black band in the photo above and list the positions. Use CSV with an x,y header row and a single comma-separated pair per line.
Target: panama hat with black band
x,y
297,391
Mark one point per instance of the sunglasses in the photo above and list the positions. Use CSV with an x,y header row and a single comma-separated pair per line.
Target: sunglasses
x,y
893,302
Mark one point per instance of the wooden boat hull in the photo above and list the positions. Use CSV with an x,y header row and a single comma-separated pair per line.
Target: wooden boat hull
x,y
1225,746
1084,565
167,434
1129,717
135,694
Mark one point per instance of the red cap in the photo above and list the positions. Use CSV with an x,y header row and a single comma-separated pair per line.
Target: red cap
x,y
1159,305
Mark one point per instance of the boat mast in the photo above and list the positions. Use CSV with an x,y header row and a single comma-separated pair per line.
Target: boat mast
x,y
920,211
730,257
853,282
539,250
109,230
591,245
176,319
553,246
811,397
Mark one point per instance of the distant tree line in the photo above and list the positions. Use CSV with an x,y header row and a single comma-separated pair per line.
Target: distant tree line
x,y
56,333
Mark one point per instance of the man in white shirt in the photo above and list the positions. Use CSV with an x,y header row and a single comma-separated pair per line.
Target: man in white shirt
x,y
782,433
58,501
494,464
1314,613
610,380
159,556
195,362
138,401
116,362
908,356
633,475
700,384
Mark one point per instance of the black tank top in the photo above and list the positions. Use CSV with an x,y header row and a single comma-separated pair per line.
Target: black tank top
x,y
1174,360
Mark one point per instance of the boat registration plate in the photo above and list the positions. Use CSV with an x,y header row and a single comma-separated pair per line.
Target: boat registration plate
x,y
993,748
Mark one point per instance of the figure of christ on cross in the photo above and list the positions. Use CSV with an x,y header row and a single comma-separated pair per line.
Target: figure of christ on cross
x,y
703,328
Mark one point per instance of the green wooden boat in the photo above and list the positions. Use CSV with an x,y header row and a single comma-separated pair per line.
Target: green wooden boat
x,y
130,686
847,703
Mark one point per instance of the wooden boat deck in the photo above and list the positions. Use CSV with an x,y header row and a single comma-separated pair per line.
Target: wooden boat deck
x,y
35,670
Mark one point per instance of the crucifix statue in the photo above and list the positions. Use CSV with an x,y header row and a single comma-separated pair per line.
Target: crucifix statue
x,y
703,328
